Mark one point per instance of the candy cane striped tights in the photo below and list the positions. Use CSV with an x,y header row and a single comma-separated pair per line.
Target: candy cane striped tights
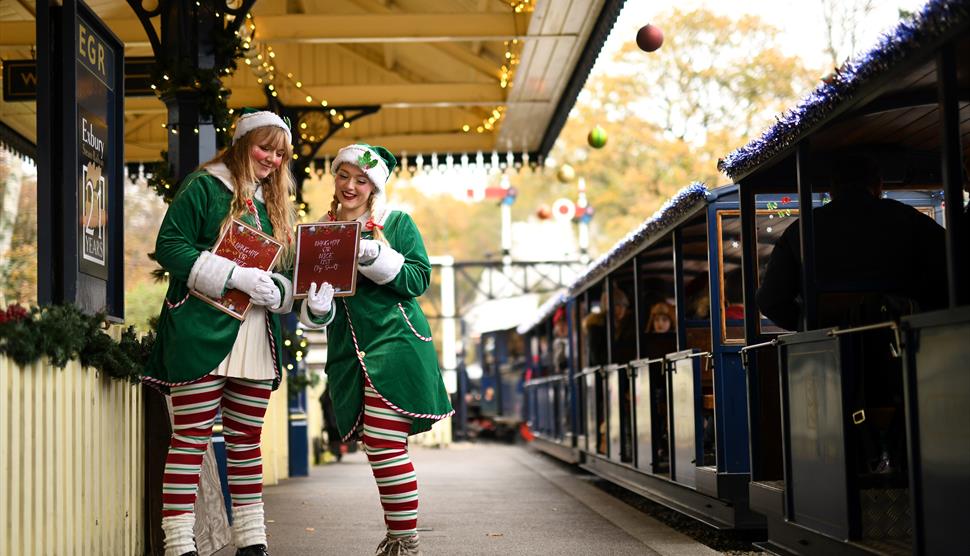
x,y
385,443
243,407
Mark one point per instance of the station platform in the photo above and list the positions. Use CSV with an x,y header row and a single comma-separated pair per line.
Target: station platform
x,y
475,499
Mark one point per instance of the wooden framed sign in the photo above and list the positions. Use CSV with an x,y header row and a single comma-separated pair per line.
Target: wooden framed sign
x,y
326,252
247,247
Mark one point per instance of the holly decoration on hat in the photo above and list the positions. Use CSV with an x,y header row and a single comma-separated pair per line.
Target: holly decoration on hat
x,y
366,161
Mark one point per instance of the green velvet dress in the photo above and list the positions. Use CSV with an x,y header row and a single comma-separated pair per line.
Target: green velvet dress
x,y
381,334
194,337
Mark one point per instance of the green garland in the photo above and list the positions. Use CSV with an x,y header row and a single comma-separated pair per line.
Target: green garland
x,y
162,180
295,346
63,333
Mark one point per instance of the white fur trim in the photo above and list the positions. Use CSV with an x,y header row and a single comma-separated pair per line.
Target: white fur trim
x,y
308,322
221,172
286,300
249,122
378,174
179,538
210,273
385,267
248,525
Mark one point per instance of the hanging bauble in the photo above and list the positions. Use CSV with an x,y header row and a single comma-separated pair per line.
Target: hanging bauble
x,y
566,173
597,138
649,38
543,212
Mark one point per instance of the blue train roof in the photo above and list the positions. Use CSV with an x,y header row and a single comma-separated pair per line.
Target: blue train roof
x,y
936,20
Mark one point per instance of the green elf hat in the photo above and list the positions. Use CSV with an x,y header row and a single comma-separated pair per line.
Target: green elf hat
x,y
252,118
376,162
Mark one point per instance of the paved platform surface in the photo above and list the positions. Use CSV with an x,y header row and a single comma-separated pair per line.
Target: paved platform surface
x,y
475,499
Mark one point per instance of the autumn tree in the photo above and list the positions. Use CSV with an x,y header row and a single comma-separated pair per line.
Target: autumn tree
x,y
843,21
716,82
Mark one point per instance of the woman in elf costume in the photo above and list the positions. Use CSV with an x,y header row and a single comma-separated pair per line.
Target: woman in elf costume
x,y
382,366
206,358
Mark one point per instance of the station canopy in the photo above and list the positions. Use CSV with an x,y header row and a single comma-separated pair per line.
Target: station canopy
x,y
455,77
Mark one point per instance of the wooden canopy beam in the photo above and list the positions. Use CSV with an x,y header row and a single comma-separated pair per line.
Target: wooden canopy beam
x,y
415,143
22,33
396,27
398,94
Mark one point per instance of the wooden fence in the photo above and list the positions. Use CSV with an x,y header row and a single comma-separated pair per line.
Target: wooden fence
x,y
71,462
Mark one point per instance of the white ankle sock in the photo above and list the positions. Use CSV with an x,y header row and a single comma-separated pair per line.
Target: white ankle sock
x,y
179,538
248,527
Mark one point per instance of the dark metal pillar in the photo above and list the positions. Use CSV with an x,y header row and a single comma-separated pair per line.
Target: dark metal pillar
x,y
958,276
187,42
806,229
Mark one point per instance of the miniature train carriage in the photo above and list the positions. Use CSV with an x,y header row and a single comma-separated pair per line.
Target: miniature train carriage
x,y
652,393
637,371
834,466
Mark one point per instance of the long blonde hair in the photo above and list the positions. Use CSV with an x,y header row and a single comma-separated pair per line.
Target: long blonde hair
x,y
335,206
278,187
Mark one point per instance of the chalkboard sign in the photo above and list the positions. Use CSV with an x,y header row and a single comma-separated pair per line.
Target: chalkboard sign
x,y
247,247
326,252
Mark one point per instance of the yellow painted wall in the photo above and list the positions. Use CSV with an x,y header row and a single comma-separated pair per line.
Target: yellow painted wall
x,y
276,453
71,462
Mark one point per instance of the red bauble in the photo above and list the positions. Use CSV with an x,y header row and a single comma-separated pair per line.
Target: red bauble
x,y
649,38
544,213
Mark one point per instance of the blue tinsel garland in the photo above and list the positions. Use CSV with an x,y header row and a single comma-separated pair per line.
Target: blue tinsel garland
x,y
934,20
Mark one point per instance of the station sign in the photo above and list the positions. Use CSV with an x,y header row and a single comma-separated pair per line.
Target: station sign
x,y
20,78
80,108
95,93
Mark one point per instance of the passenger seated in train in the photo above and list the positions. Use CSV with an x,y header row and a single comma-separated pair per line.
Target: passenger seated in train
x,y
624,329
878,254
594,326
876,260
560,341
661,318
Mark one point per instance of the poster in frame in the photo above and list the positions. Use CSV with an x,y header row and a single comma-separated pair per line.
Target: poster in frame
x,y
326,252
247,247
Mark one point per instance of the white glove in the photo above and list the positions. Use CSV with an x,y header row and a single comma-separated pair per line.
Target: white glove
x,y
266,295
368,251
320,300
247,279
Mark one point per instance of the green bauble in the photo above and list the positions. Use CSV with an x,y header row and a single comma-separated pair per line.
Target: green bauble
x,y
597,137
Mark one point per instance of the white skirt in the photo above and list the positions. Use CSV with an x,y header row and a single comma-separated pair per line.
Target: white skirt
x,y
250,358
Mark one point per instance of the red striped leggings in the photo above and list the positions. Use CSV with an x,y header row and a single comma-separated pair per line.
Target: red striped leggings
x,y
385,443
243,407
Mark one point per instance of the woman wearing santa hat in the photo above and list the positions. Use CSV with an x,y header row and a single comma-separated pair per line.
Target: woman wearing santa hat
x,y
207,359
382,367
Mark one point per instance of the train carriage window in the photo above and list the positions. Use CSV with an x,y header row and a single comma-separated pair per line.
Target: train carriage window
x,y
595,327
623,329
729,268
697,288
657,314
770,222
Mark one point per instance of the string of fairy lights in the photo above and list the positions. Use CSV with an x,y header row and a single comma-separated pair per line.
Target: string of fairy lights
x,y
261,58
